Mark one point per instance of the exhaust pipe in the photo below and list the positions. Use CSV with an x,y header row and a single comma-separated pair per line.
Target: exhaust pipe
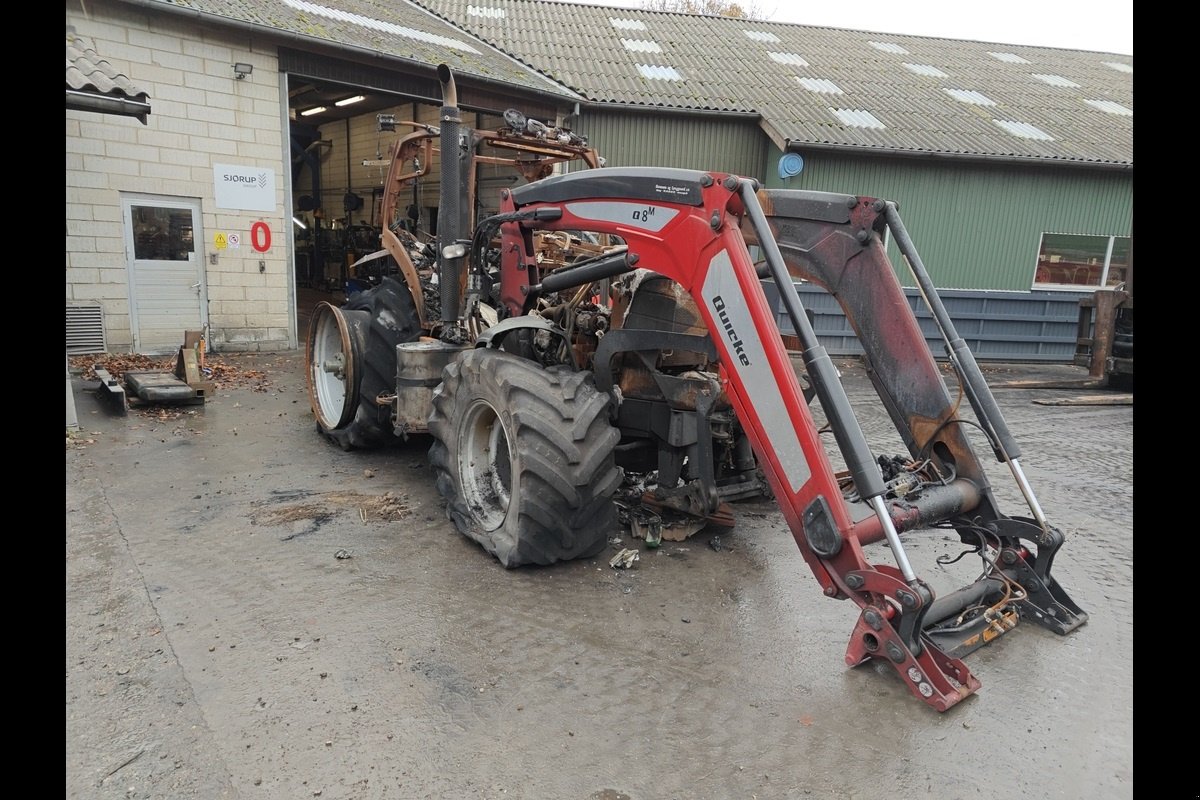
x,y
450,204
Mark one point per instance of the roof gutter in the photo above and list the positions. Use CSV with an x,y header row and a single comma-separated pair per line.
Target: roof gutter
x,y
105,104
644,108
794,146
375,55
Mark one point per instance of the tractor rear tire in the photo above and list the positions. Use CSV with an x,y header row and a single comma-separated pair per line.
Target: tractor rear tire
x,y
391,320
524,457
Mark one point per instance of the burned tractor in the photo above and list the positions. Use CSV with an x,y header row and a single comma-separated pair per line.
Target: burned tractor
x,y
640,376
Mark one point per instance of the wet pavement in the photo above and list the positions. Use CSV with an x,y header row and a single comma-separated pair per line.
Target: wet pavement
x,y
254,613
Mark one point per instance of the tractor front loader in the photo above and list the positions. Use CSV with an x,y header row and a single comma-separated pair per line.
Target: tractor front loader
x,y
650,384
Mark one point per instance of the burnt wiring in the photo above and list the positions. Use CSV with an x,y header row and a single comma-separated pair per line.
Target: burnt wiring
x,y
904,478
958,421
1013,590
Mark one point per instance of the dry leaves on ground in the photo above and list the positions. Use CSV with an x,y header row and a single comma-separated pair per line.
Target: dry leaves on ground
x,y
224,371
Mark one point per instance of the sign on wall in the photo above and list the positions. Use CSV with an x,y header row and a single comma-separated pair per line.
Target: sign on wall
x,y
244,188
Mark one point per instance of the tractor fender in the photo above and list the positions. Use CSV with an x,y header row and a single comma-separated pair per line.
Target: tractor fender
x,y
493,337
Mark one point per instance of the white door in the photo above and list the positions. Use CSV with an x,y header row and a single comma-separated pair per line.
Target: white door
x,y
167,294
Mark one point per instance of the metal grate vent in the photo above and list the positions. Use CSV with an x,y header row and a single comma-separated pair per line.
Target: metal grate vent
x,y
85,330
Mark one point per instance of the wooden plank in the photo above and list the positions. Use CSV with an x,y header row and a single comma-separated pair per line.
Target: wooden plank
x,y
1088,400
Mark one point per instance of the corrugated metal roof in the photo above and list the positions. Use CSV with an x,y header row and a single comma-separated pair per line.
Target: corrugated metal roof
x,y
398,30
727,65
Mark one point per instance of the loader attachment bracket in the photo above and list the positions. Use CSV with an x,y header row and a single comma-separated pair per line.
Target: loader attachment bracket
x,y
1043,600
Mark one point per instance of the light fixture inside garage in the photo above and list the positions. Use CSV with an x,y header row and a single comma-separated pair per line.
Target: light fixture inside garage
x,y
358,98
312,111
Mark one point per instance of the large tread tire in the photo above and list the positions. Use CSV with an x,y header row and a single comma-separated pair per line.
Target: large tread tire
x,y
524,457
393,321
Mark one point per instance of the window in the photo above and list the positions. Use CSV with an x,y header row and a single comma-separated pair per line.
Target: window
x,y
1068,261
162,234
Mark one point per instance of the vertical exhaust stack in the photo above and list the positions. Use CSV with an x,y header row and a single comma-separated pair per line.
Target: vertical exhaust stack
x,y
450,202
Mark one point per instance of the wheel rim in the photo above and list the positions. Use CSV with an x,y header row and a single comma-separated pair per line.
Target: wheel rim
x,y
332,390
485,465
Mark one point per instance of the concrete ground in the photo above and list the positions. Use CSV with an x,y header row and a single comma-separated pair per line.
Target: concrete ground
x,y
253,613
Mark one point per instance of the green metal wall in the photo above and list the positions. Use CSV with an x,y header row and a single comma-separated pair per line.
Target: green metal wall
x,y
628,139
975,225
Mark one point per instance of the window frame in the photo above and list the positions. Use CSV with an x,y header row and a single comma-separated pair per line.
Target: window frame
x,y
1106,266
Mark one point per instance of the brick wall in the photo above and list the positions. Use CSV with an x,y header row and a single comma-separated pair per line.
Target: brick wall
x,y
200,116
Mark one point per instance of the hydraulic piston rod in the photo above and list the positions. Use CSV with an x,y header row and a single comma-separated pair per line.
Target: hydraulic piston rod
x,y
978,394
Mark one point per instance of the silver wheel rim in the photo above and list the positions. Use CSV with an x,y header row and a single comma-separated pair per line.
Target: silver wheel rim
x,y
330,370
485,465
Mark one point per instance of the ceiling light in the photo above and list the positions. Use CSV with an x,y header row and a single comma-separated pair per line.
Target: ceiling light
x,y
312,111
301,225
358,98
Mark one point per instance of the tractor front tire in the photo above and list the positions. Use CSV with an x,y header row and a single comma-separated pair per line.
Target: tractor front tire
x,y
525,458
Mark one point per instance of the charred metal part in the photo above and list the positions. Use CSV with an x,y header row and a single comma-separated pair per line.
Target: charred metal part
x,y
742,488
677,524
519,335
820,530
936,503
692,499
744,455
625,340
702,457
967,619
159,386
983,593
534,155
811,229
975,385
605,267
1044,600
591,322
450,213
1004,446
419,368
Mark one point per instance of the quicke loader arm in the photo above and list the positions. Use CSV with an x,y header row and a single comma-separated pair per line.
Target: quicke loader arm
x,y
695,228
